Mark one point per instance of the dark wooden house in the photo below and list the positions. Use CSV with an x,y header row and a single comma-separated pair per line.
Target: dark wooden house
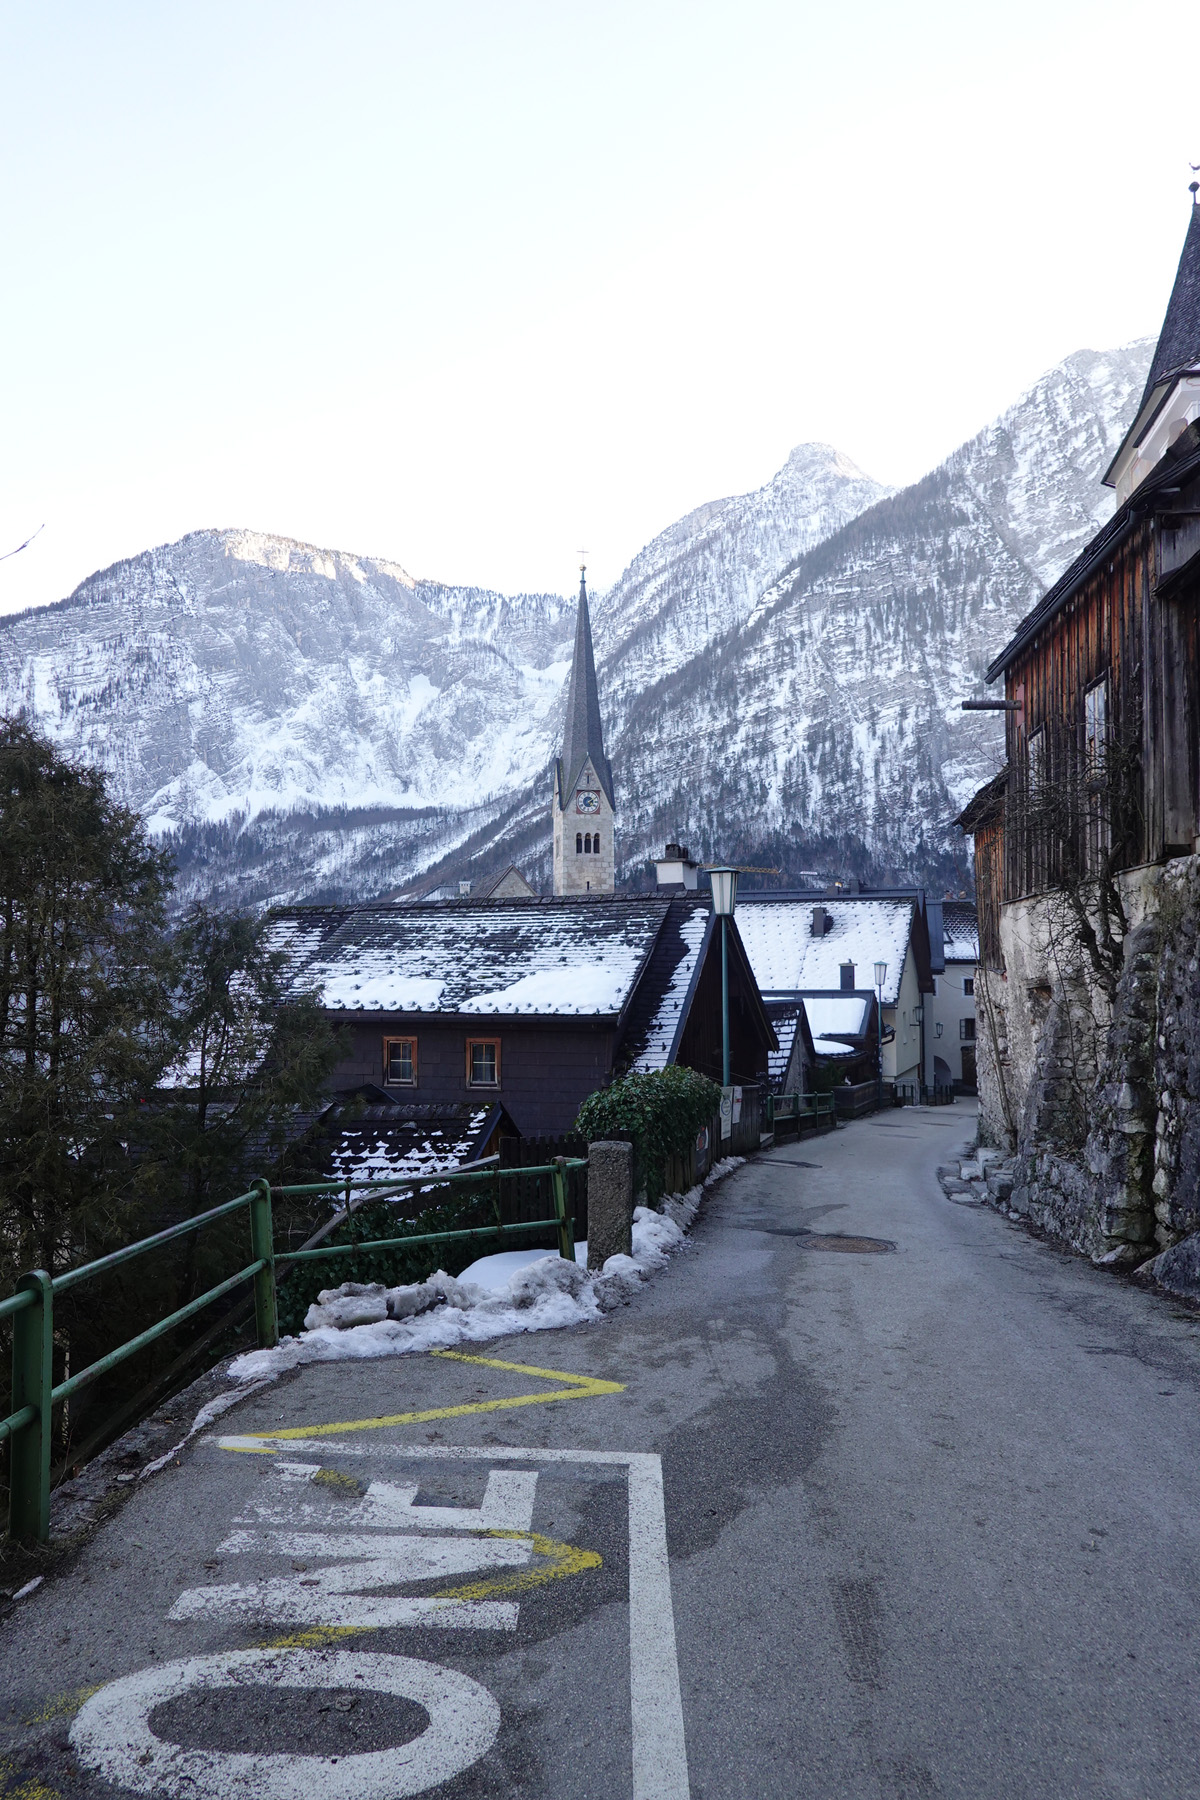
x,y
531,1004
1102,679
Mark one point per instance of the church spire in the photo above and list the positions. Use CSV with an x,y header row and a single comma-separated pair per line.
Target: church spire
x,y
583,733
583,808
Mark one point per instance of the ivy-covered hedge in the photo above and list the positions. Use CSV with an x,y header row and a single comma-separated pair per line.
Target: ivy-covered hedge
x,y
662,1112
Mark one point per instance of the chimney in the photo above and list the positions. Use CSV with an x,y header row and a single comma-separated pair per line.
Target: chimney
x,y
675,868
821,921
847,973
464,890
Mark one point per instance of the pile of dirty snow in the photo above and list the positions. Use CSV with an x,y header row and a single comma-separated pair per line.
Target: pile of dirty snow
x,y
361,1319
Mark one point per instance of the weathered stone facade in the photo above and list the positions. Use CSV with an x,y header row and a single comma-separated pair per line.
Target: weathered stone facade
x,y
1100,1102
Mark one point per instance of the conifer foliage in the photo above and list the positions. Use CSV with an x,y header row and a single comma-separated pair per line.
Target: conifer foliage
x,y
84,981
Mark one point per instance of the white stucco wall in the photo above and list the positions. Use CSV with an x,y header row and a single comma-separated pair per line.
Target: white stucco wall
x,y
947,1006
902,1057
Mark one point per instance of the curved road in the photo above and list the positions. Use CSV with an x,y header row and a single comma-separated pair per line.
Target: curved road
x,y
931,1515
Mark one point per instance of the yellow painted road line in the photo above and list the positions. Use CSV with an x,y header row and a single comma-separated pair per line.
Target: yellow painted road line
x,y
61,1705
561,1559
580,1387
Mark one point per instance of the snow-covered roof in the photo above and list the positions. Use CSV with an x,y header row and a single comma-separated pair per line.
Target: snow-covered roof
x,y
834,1047
785,1020
651,1037
960,931
787,958
546,958
383,1139
837,1015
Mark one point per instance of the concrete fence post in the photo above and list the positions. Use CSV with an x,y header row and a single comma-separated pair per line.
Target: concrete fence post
x,y
610,1201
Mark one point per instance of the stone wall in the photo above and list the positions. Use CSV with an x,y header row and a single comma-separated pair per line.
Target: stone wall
x,y
1100,1101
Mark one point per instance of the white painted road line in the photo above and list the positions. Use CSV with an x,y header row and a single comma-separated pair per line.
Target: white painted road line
x,y
659,1748
297,1490
112,1735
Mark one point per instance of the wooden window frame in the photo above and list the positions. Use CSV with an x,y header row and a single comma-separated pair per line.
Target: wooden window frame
x,y
481,1042
390,1080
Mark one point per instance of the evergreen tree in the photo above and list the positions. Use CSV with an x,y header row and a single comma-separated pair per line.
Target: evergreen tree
x,y
84,1024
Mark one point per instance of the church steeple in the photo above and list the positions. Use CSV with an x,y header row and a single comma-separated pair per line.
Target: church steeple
x,y
1171,400
583,733
584,803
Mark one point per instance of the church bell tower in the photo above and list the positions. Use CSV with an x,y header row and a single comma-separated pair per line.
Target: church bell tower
x,y
584,852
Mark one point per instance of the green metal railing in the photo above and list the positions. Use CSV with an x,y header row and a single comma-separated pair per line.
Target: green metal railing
x,y
31,1308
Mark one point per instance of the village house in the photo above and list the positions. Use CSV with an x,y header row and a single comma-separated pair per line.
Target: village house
x,y
820,952
950,1006
528,1003
531,1003
1086,841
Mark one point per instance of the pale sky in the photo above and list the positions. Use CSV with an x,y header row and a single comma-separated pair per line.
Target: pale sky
x,y
471,284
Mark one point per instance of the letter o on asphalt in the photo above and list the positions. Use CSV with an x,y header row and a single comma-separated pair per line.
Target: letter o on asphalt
x,y
112,1736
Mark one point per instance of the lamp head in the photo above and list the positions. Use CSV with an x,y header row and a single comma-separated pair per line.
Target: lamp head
x,y
880,974
724,890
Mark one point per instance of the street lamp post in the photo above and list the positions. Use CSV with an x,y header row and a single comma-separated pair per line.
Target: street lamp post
x,y
880,978
724,892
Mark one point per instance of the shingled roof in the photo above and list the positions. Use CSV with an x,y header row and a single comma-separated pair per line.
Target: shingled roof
x,y
786,958
659,1010
1179,340
537,957
583,733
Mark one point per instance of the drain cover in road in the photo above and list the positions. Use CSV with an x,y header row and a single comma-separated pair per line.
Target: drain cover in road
x,y
853,1246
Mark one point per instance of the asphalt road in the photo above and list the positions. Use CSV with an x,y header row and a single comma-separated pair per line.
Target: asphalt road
x,y
930,1515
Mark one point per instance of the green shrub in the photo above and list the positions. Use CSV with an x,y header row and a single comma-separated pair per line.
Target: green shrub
x,y
661,1111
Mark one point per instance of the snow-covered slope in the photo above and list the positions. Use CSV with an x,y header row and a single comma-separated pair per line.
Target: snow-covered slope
x,y
778,670
832,714
703,576
233,673
306,721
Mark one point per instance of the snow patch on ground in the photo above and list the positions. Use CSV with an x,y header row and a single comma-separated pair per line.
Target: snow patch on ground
x,y
511,1292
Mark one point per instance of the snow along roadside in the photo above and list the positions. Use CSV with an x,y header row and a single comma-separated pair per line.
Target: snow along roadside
x,y
363,1321
526,1302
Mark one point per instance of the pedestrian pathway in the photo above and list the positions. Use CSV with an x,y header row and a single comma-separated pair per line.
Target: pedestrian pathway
x,y
869,1494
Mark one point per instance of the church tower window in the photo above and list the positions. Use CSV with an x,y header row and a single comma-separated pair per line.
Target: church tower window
x,y
579,843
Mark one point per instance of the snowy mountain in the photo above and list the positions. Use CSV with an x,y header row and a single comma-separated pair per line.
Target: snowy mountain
x,y
303,721
827,726
703,576
780,673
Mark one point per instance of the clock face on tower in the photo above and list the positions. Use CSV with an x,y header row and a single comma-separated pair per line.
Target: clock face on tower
x,y
587,802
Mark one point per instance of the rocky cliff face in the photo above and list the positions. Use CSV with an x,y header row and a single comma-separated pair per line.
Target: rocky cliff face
x,y
779,670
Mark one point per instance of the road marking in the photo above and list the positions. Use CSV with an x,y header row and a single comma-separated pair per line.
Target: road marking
x,y
659,1749
57,1707
579,1387
112,1734
507,1503
30,1787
